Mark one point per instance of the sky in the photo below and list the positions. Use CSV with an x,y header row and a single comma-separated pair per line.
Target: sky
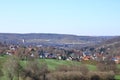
x,y
79,17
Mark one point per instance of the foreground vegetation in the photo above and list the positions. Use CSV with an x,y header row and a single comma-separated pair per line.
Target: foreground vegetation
x,y
12,68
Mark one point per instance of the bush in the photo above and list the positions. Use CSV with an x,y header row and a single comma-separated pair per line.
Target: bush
x,y
95,77
72,72
1,73
63,68
76,75
101,75
71,75
35,71
107,67
12,68
83,68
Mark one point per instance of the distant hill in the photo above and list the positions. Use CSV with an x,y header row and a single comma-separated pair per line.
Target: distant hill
x,y
51,39
116,39
113,44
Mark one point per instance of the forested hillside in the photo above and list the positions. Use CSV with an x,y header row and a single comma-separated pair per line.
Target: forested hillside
x,y
52,39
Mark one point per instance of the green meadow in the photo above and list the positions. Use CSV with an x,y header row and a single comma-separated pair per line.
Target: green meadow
x,y
53,64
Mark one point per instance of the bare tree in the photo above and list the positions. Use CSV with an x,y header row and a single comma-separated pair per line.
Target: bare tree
x,y
35,70
12,68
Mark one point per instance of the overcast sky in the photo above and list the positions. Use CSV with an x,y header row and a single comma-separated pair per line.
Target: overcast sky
x,y
80,17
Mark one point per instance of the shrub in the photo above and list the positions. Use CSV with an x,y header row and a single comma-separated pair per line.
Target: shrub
x,y
95,77
107,67
35,71
12,68
63,68
1,73
101,75
71,75
82,68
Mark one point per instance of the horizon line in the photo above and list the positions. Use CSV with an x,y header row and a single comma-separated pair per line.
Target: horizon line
x,y
54,33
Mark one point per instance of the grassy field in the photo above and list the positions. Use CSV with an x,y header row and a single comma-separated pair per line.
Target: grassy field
x,y
118,66
53,64
117,77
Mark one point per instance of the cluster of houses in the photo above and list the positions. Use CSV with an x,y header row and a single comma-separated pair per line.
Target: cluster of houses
x,y
78,55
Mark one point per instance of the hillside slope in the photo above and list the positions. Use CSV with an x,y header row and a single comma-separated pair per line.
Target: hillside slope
x,y
51,39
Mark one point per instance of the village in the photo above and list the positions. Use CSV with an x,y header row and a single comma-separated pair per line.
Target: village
x,y
47,52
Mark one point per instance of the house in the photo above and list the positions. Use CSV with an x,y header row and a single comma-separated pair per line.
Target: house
x,y
116,59
86,55
52,56
32,55
59,57
43,55
86,58
69,58
12,47
48,55
10,52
